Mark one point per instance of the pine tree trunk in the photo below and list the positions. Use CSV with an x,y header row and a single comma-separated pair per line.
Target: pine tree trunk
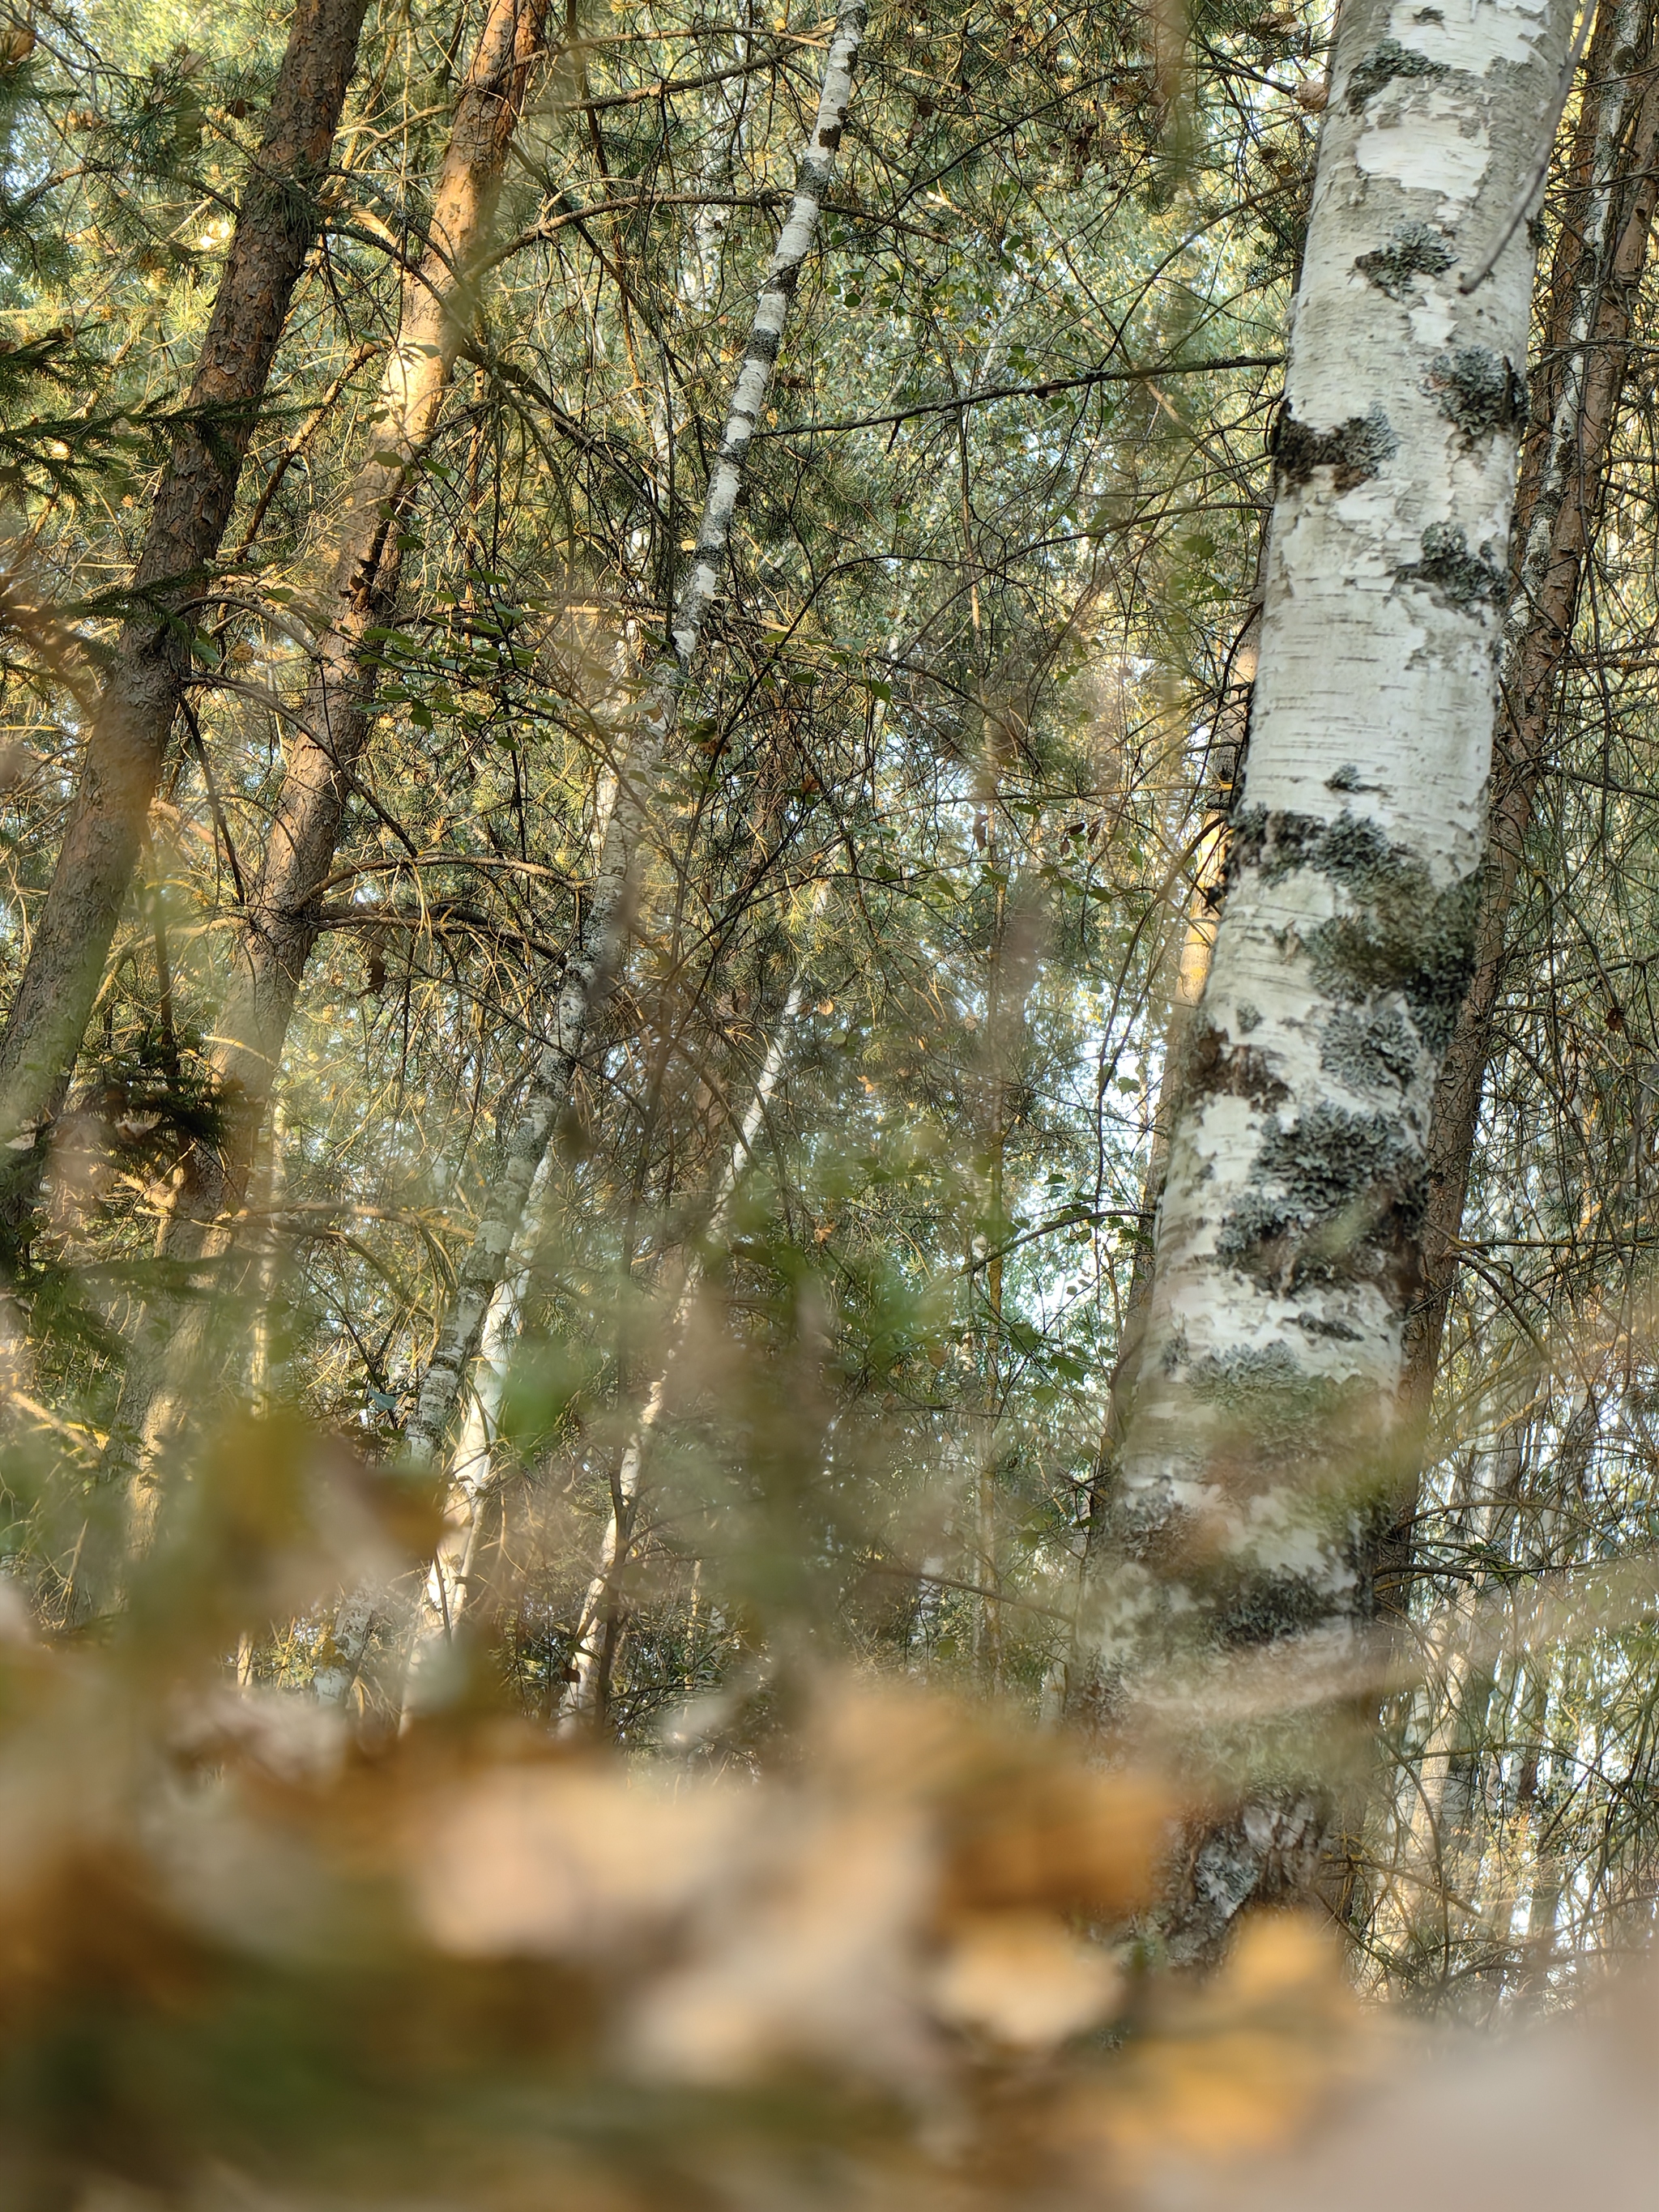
x,y
1606,219
327,740
275,230
597,945
328,735
1266,1413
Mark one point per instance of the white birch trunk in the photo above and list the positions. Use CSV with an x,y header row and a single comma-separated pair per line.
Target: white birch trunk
x,y
598,946
1287,1239
581,1708
472,1475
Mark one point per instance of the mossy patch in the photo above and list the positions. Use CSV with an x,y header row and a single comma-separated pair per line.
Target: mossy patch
x,y
1333,1197
1388,62
1478,390
1400,932
1370,1050
1471,582
1273,1412
1416,249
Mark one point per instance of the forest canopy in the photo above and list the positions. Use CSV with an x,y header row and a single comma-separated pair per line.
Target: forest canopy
x,y
824,1093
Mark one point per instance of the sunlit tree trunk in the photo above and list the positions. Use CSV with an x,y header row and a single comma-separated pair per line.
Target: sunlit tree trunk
x,y
597,947
151,660
326,739
1268,1407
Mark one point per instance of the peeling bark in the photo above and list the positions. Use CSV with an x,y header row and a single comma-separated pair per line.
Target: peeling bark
x,y
1266,1411
275,230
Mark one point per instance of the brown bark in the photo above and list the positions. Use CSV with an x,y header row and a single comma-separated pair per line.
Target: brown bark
x,y
285,912
1593,282
135,712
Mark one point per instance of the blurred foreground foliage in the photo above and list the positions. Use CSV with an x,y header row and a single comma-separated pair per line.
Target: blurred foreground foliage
x,y
876,1949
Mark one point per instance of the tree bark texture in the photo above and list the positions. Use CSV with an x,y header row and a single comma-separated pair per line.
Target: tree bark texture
x,y
597,943
1266,1408
473,1477
150,666
1606,223
285,907
284,914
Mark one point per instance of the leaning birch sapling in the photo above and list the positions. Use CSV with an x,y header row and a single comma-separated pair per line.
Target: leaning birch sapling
x,y
597,947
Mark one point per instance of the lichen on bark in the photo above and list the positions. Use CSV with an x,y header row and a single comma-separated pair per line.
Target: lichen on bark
x,y
1266,1424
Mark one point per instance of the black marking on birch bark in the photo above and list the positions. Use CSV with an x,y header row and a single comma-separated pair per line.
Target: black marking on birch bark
x,y
1386,63
1478,390
1334,1197
1416,249
1402,932
1215,1067
1353,451
1336,1331
1456,577
1266,1852
1247,1015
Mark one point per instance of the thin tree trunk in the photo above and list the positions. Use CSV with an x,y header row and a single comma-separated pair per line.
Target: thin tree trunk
x,y
1285,1258
1605,222
583,1707
275,230
597,947
1228,752
472,1475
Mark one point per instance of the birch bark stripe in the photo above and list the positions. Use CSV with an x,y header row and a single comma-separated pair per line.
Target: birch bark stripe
x,y
598,946
1286,1244
471,1473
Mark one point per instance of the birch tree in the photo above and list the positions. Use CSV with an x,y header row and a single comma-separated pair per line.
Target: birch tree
x,y
151,663
593,955
1288,1235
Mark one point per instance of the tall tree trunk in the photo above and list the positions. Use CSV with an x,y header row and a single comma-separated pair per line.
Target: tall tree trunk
x,y
328,735
1285,1258
1606,220
473,1477
285,906
275,230
597,945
